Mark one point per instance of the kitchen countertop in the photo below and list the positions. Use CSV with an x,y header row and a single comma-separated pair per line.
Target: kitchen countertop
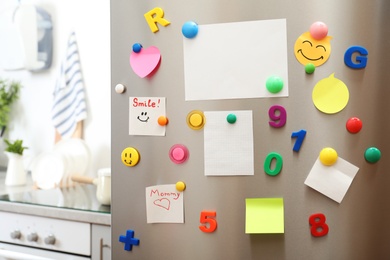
x,y
76,203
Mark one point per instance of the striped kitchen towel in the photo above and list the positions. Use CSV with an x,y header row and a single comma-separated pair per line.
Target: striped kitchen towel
x,y
69,105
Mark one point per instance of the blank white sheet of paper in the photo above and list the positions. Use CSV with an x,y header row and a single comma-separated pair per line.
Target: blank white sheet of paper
x,y
234,60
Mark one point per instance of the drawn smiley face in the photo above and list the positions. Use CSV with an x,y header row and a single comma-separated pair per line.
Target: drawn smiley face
x,y
309,50
143,117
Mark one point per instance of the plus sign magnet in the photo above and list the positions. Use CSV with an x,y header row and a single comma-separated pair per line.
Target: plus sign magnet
x,y
129,240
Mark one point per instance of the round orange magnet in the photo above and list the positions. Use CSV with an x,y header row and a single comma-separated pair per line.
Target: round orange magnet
x,y
162,120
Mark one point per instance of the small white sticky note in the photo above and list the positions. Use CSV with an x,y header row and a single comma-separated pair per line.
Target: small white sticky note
x,y
332,181
228,147
164,204
143,115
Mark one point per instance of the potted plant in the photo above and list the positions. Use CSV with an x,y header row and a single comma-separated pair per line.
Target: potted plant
x,y
16,174
9,93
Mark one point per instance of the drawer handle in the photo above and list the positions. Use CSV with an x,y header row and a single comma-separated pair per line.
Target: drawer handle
x,y
101,248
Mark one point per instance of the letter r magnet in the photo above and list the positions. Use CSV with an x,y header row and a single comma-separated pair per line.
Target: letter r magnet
x,y
130,156
155,16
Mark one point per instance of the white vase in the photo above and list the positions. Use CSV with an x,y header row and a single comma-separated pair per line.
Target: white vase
x,y
16,174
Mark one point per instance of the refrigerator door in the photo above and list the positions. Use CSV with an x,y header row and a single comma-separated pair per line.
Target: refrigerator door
x,y
284,183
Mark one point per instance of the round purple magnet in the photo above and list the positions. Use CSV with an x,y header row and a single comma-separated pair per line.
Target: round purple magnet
x,y
178,153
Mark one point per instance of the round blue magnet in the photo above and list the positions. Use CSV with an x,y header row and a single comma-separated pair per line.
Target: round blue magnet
x,y
189,29
137,47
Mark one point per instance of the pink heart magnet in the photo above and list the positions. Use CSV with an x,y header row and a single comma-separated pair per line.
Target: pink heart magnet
x,y
146,61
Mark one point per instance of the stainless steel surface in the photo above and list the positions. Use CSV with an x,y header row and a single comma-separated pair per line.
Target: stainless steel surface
x,y
358,227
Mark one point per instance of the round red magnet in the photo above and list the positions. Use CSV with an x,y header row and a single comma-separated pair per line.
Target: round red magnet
x,y
354,125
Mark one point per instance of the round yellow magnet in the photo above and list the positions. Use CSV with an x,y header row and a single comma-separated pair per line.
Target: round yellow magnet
x,y
180,186
196,119
130,156
328,156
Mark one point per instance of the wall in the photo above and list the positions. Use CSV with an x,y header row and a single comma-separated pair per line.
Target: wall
x,y
31,115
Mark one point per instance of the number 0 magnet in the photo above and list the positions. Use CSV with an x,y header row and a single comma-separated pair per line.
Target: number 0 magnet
x,y
130,156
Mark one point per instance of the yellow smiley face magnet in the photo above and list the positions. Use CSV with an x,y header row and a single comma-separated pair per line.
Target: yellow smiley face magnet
x,y
130,156
310,50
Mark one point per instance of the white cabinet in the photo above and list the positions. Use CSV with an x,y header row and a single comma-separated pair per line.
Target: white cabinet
x,y
45,233
29,234
101,242
35,237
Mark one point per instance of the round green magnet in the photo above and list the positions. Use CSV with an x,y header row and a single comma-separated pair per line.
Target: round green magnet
x,y
310,68
372,154
274,84
231,118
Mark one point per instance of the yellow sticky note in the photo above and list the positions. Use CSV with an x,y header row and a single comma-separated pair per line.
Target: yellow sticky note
x,y
330,95
264,216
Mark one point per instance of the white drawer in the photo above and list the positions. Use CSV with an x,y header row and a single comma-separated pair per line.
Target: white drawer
x,y
65,236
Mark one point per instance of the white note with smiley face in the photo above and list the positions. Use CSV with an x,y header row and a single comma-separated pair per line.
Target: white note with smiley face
x,y
143,116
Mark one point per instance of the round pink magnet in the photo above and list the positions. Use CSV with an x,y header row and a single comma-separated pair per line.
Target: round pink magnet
x,y
318,30
178,153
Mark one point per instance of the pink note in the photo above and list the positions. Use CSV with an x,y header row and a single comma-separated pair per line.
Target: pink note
x,y
146,61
